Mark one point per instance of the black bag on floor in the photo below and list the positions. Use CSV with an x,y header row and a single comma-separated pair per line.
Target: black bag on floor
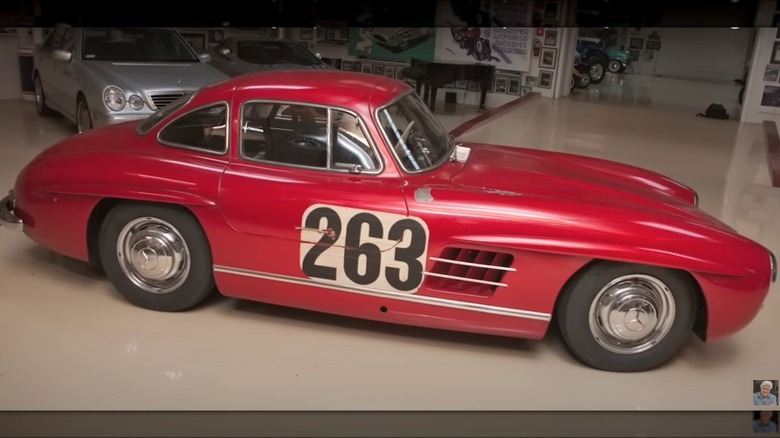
x,y
715,111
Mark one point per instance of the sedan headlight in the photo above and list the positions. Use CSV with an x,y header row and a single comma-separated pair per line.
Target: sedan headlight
x,y
135,102
114,98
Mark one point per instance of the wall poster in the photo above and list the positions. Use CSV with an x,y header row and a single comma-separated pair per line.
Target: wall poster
x,y
393,43
508,49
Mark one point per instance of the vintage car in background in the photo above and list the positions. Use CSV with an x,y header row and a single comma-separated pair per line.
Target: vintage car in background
x,y
235,56
594,50
341,192
101,76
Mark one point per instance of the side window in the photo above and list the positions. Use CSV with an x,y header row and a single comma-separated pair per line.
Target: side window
x,y
350,143
203,129
69,40
289,134
298,135
54,40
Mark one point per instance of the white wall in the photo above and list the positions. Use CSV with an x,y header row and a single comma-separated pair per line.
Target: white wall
x,y
10,81
752,110
706,54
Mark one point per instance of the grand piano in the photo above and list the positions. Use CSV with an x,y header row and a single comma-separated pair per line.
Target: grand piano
x,y
434,75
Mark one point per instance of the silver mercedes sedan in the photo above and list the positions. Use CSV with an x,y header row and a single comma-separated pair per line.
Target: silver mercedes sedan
x,y
101,76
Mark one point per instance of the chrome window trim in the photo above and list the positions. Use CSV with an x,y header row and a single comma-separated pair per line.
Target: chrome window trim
x,y
329,108
223,152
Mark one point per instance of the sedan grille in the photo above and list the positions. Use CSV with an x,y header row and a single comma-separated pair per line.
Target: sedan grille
x,y
469,271
161,100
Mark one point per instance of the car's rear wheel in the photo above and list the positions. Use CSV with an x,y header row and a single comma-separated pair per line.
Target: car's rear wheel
x,y
40,98
157,257
625,317
83,117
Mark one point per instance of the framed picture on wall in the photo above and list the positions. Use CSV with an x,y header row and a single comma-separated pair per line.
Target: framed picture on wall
x,y
399,73
771,73
530,81
379,69
634,55
501,85
346,65
306,33
513,87
390,71
551,38
367,68
548,57
462,84
545,78
357,66
636,43
775,53
525,90
653,45
771,96
474,86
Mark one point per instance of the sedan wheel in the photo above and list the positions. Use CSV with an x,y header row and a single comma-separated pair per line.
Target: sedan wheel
x,y
83,118
615,66
157,257
40,98
627,318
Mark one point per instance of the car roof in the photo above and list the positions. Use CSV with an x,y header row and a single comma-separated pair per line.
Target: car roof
x,y
323,87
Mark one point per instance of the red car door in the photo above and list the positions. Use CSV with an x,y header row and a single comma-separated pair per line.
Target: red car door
x,y
310,213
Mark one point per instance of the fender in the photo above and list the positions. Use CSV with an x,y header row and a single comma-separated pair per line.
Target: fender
x,y
130,192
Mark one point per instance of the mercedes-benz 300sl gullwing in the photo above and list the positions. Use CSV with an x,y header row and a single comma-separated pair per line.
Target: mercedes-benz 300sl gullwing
x,y
341,192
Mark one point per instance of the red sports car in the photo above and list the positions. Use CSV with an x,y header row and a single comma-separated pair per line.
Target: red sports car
x,y
340,192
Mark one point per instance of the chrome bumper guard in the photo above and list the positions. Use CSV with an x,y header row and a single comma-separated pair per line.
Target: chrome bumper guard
x,y
7,217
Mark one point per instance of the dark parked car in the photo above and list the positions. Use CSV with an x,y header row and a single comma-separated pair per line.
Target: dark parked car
x,y
235,56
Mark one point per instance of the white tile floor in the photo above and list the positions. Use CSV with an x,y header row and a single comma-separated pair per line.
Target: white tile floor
x,y
68,341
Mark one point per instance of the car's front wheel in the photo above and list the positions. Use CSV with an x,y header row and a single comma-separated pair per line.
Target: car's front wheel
x,y
615,66
626,317
157,257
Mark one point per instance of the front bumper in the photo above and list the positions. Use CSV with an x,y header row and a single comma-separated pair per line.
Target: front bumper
x,y
8,218
100,120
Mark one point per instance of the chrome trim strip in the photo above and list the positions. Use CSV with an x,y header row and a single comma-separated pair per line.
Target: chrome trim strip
x,y
773,264
460,305
476,265
470,280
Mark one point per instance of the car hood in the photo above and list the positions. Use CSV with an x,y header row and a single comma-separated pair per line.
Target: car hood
x,y
243,67
576,180
142,77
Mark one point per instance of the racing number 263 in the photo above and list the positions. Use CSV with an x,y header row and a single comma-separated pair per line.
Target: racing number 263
x,y
382,250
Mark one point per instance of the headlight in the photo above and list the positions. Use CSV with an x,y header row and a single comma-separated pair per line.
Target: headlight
x,y
135,102
114,99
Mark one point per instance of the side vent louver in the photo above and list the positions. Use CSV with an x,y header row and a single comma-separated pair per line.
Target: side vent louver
x,y
469,271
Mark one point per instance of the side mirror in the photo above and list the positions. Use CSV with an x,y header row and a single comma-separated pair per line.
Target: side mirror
x,y
318,55
204,57
62,55
356,169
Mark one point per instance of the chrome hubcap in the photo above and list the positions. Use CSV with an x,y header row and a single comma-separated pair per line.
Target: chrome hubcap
x,y
597,70
153,255
631,314
614,66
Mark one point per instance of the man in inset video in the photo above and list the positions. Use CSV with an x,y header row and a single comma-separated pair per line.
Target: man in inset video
x,y
764,396
764,424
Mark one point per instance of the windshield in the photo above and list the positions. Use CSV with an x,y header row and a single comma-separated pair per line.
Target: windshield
x,y
274,52
136,45
150,122
417,138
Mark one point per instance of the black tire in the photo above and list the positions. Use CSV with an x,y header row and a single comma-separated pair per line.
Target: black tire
x,y
189,289
83,116
597,60
573,84
583,81
580,328
40,98
615,66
